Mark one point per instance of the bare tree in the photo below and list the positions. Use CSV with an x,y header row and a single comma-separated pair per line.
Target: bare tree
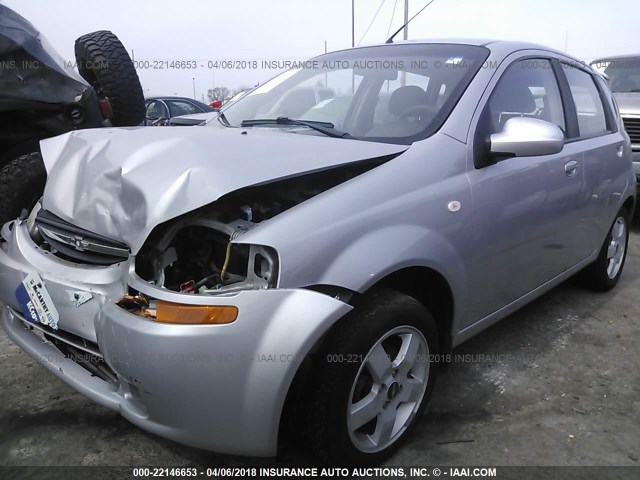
x,y
218,93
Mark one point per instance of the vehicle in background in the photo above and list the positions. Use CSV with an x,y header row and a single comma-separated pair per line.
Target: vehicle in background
x,y
200,118
160,109
623,75
41,97
192,120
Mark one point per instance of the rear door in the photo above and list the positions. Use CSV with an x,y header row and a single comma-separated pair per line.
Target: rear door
x,y
598,135
528,211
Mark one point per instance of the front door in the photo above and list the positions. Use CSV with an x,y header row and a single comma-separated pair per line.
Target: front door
x,y
527,210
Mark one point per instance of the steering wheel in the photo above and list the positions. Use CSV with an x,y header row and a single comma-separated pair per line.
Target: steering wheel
x,y
159,122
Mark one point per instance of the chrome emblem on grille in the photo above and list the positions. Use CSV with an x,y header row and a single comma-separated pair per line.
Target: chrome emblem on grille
x,y
80,244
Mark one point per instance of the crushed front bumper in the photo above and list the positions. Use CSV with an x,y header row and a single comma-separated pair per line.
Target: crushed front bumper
x,y
218,387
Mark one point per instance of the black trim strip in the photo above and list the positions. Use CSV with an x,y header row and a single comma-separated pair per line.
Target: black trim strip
x,y
570,112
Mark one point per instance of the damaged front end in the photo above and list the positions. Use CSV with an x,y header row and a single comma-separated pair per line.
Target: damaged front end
x,y
198,253
202,252
175,220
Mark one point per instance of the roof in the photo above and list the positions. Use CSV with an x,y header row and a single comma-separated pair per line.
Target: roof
x,y
492,44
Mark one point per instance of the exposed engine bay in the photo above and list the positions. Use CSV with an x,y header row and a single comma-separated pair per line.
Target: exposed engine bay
x,y
194,253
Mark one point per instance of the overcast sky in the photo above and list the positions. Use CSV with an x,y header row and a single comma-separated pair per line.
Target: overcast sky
x,y
294,30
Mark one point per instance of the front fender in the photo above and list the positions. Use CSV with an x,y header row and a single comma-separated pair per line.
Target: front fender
x,y
378,253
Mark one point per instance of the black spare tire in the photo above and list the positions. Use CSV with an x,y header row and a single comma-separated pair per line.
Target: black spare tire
x,y
106,65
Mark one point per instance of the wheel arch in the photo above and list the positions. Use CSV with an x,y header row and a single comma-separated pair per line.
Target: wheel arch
x,y
430,288
630,205
425,284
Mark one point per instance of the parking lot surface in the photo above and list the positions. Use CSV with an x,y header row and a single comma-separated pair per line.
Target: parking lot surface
x,y
557,383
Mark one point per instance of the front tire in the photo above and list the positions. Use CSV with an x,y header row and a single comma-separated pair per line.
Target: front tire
x,y
603,274
372,381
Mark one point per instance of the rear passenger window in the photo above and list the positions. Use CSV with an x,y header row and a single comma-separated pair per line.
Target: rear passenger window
x,y
592,120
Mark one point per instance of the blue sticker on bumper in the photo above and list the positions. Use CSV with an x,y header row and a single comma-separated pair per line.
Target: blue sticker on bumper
x,y
26,305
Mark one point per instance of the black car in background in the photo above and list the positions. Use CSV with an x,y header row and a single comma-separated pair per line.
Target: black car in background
x,y
160,109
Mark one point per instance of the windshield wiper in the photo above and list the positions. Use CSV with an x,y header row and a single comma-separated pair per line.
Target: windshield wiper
x,y
323,127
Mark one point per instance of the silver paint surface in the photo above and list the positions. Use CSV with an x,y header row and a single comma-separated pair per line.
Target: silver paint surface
x,y
525,226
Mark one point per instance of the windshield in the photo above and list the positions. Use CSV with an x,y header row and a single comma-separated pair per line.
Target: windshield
x,y
623,73
390,93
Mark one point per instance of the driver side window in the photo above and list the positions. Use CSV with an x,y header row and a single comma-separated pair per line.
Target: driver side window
x,y
528,88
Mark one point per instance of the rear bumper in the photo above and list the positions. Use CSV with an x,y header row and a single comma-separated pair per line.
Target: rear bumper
x,y
218,387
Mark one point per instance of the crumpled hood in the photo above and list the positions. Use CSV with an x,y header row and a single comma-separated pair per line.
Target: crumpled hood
x,y
122,182
628,103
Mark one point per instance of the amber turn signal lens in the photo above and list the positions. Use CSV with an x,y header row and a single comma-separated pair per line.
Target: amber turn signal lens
x,y
167,312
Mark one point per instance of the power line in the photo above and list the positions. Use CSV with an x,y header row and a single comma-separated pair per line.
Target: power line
x,y
407,22
393,14
373,20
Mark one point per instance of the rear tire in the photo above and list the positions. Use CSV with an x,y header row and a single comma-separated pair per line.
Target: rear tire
x,y
372,381
106,65
603,274
21,185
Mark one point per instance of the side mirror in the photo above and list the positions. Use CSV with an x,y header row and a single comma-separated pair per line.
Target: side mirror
x,y
527,137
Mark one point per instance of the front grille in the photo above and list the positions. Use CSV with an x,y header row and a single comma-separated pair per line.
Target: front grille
x,y
78,244
632,126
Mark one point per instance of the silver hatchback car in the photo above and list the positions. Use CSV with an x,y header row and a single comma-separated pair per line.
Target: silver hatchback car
x,y
306,260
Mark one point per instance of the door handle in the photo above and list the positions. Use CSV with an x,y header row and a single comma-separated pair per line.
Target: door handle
x,y
570,168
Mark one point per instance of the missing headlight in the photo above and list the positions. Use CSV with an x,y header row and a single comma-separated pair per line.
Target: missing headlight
x,y
197,255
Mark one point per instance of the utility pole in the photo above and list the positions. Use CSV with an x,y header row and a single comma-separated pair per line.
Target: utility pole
x,y
194,88
353,23
326,80
353,42
405,35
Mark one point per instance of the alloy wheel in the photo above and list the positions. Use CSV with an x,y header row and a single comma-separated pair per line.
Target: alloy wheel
x,y
617,247
388,389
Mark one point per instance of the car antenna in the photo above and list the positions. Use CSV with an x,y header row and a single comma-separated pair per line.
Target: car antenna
x,y
390,39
